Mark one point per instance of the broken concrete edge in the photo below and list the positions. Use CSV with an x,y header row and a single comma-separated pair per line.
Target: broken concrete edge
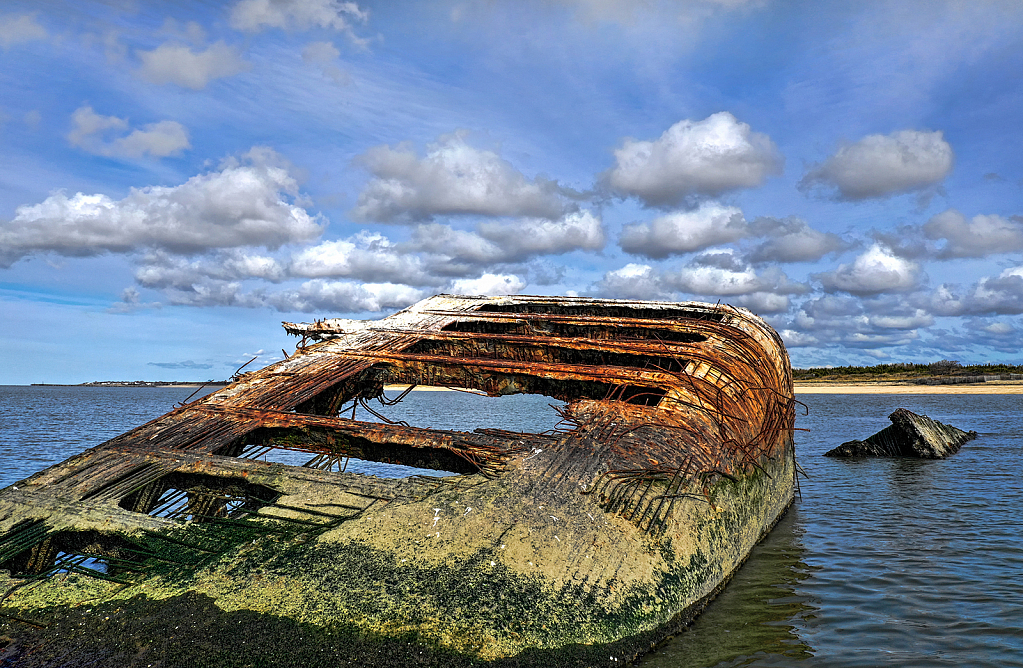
x,y
909,435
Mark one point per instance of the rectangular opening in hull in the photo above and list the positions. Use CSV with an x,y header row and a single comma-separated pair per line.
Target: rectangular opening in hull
x,y
578,331
604,311
199,497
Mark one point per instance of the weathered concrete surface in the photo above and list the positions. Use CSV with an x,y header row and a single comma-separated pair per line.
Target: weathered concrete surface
x,y
580,547
910,435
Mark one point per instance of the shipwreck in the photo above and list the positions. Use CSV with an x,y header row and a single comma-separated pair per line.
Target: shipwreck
x,y
174,544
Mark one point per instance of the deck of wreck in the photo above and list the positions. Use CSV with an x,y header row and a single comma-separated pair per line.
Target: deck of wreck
x,y
673,458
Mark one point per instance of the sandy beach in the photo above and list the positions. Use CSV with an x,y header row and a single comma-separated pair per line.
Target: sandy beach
x,y
995,387
1002,387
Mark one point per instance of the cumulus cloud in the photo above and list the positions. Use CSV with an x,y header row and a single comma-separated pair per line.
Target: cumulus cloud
x,y
633,281
505,242
488,284
998,295
16,30
453,178
724,273
721,273
245,203
324,296
160,270
92,132
980,237
366,256
581,230
180,65
874,271
883,165
259,15
792,240
705,157
857,323
685,231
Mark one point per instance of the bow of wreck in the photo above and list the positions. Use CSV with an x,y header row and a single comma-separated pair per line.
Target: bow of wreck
x,y
174,543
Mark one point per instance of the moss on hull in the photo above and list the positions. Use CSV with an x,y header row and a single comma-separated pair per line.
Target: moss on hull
x,y
173,545
354,594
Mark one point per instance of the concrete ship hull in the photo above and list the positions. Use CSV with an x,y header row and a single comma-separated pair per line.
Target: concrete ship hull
x,y
173,545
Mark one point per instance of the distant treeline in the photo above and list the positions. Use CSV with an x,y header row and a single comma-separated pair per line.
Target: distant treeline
x,y
906,370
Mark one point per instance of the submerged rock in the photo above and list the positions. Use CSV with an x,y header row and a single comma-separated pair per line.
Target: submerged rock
x,y
910,435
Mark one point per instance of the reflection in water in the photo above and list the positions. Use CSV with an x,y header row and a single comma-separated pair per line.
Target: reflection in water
x,y
754,617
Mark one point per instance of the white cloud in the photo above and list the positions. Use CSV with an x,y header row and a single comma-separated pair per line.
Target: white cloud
x,y
92,131
982,236
685,231
633,281
16,30
883,165
164,271
452,250
245,203
87,123
705,157
792,240
178,64
259,15
453,179
367,256
853,322
324,55
795,339
875,271
488,284
323,296
320,52
999,295
723,273
720,273
536,236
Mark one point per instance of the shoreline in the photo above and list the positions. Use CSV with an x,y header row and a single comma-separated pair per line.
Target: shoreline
x,y
131,384
993,387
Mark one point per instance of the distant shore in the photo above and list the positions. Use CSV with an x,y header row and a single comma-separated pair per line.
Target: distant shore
x,y
990,387
134,383
877,387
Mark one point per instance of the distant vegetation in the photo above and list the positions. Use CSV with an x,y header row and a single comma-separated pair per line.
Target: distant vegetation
x,y
903,371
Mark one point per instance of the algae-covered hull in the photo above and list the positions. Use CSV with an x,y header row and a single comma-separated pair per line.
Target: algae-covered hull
x,y
174,545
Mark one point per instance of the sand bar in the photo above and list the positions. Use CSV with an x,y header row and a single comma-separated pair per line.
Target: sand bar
x,y
994,387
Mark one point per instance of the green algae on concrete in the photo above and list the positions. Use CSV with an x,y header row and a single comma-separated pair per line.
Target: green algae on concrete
x,y
578,548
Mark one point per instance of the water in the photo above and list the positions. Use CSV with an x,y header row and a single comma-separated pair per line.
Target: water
x,y
884,562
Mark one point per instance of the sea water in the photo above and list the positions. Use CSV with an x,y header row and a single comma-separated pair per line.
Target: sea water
x,y
882,562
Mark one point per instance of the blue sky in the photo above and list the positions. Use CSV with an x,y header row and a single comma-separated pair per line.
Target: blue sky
x,y
177,178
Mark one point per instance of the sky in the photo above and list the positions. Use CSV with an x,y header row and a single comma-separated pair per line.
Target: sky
x,y
178,178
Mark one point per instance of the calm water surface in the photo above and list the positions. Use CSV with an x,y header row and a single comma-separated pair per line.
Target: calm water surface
x,y
882,562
